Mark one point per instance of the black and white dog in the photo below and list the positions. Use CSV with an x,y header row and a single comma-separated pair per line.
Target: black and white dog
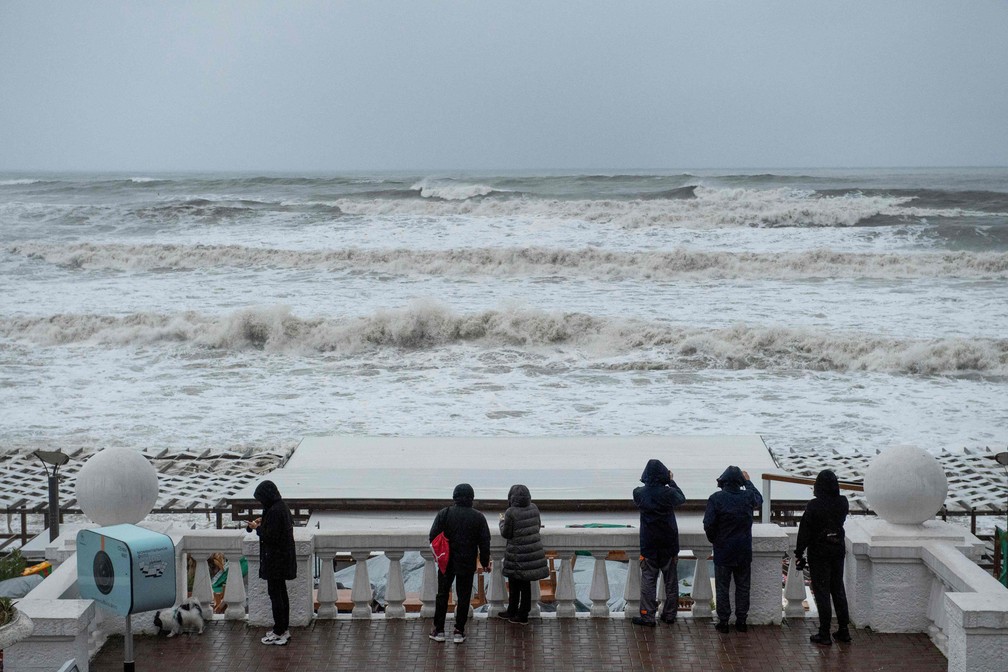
x,y
187,617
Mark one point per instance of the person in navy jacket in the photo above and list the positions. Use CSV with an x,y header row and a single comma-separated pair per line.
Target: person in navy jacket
x,y
659,542
728,524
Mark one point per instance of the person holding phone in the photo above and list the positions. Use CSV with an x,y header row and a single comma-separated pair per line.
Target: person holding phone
x,y
277,558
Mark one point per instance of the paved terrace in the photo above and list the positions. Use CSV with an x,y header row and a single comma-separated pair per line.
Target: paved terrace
x,y
549,644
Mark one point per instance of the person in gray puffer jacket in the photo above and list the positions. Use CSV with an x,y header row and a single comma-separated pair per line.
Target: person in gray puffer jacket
x,y
524,557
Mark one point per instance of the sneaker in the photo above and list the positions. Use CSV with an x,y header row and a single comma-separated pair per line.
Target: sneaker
x,y
505,616
821,640
842,636
520,620
637,620
275,639
741,626
722,627
671,620
437,635
458,636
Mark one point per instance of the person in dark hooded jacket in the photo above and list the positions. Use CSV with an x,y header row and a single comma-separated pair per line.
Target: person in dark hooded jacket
x,y
659,542
468,539
728,524
821,532
524,557
277,559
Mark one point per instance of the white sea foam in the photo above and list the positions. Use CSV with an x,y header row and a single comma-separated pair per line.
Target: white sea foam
x,y
451,191
503,262
142,180
712,207
13,183
620,344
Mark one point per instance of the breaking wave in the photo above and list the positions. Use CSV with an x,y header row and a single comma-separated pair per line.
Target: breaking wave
x,y
708,208
451,191
609,342
523,261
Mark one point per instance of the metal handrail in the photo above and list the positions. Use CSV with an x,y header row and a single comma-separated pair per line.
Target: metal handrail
x,y
800,480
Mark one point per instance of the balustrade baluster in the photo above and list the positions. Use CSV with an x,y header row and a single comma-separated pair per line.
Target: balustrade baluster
x,y
428,589
234,589
361,593
202,589
702,592
327,586
565,586
631,592
535,611
599,592
794,591
497,594
395,591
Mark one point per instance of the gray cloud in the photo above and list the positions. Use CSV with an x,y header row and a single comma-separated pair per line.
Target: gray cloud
x,y
515,85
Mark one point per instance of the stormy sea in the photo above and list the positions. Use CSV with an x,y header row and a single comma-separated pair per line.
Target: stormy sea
x,y
823,310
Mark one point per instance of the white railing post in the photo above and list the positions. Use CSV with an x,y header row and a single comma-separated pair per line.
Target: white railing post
x,y
631,592
599,592
202,589
395,589
496,591
702,593
794,591
565,586
765,511
327,585
234,589
428,589
535,611
361,593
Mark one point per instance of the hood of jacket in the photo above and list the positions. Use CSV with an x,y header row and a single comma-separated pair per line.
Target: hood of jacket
x,y
463,494
267,493
826,484
655,473
731,479
519,495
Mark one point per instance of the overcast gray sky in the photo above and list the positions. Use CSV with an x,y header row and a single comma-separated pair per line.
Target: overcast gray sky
x,y
562,84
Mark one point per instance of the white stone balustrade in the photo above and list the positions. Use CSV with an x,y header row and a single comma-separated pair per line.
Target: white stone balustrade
x,y
769,545
201,544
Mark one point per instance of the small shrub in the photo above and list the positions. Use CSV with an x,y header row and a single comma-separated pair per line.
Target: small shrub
x,y
12,565
6,611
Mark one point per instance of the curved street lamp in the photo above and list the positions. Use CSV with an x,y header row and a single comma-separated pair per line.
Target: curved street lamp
x,y
54,459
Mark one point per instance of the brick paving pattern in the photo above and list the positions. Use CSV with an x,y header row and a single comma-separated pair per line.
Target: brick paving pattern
x,y
565,645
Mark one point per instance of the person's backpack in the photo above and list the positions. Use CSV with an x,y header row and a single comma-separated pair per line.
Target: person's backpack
x,y
440,547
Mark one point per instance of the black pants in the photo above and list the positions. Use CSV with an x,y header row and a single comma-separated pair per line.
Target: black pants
x,y
723,576
277,591
519,598
827,582
463,580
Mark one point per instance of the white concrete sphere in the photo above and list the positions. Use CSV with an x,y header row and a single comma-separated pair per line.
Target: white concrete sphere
x,y
905,485
117,485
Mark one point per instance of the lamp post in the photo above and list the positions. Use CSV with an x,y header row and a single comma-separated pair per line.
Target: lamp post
x,y
54,459
1002,459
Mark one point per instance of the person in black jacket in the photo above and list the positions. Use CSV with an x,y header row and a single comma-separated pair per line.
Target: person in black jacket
x,y
821,532
524,557
468,537
277,559
659,542
728,525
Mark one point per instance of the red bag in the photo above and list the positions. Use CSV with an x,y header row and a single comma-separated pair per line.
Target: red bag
x,y
440,546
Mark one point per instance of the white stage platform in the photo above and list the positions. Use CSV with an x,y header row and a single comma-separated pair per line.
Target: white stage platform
x,y
557,470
